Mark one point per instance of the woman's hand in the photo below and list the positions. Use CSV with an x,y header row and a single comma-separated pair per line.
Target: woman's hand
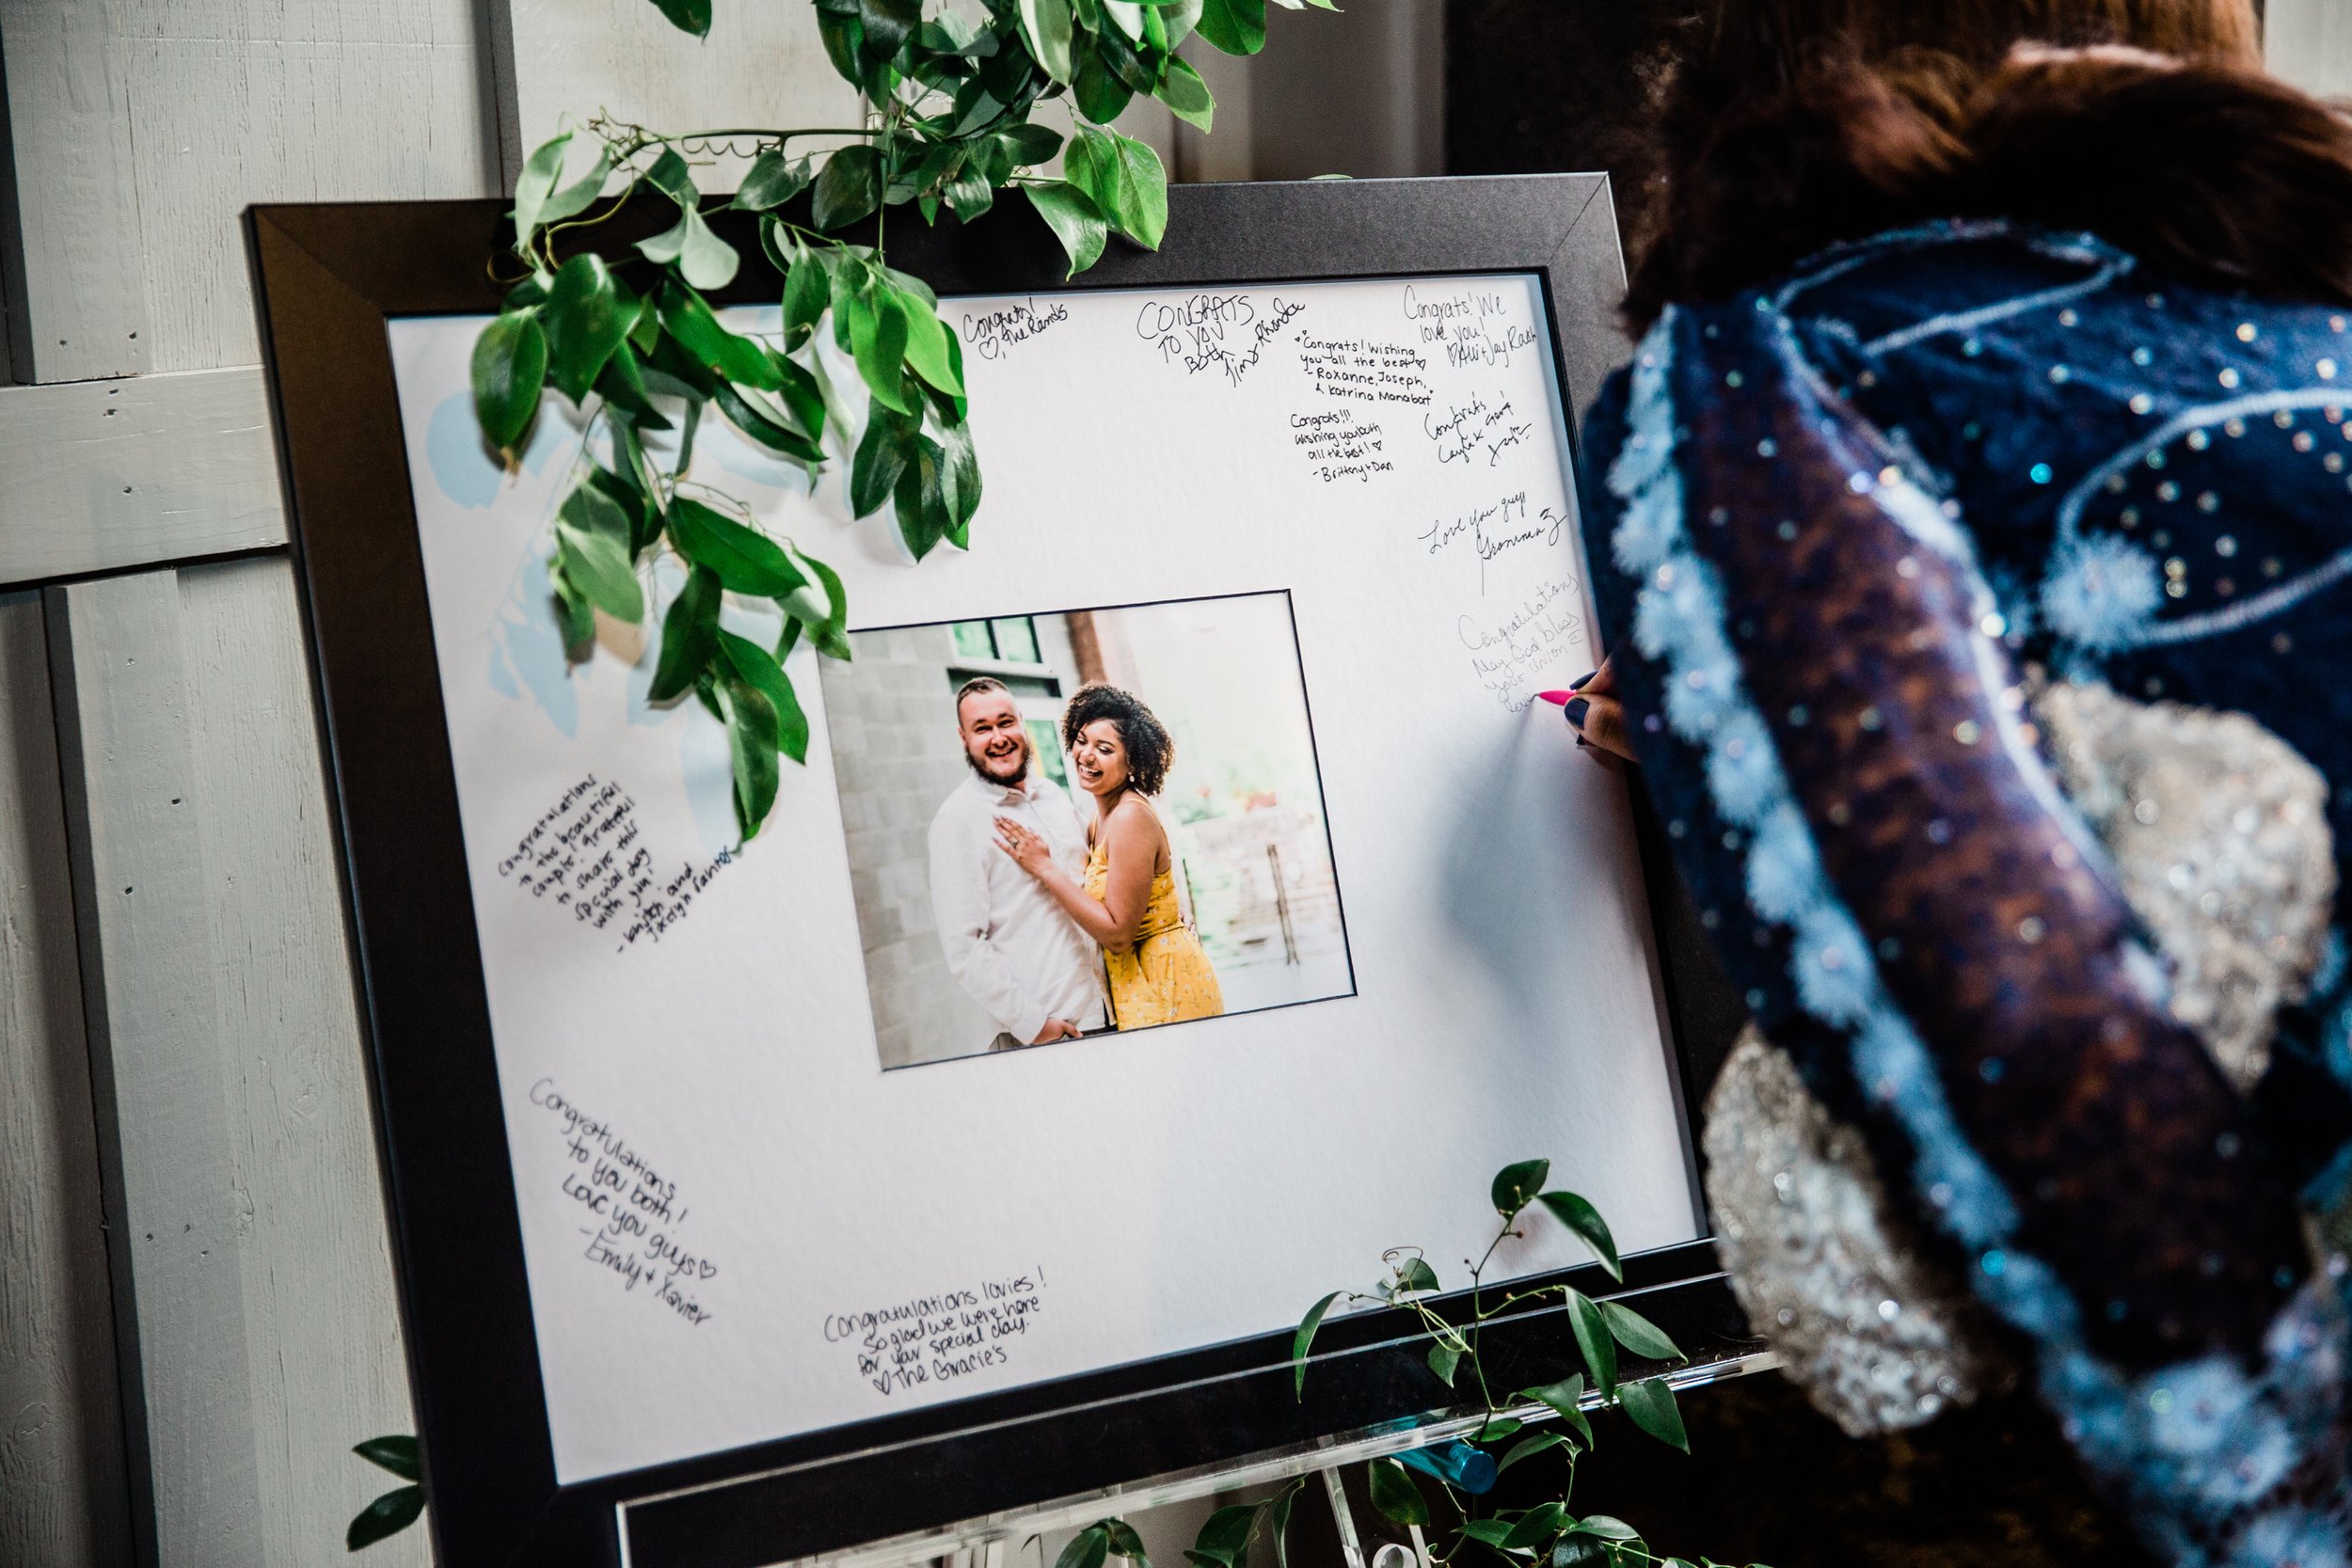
x,y
1596,715
1027,850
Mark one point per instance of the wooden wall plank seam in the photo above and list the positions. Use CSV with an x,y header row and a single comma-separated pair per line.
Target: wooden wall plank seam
x,y
64,1493
220,992
107,475
77,304
180,1210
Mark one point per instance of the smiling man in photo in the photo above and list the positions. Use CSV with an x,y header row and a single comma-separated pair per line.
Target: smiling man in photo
x,y
1007,942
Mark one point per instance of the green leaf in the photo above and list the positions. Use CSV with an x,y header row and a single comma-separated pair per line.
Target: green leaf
x,y
673,177
1528,1448
1583,1219
1638,1334
510,362
687,318
622,384
1183,17
1027,145
588,314
803,398
1537,1526
1592,1337
807,290
1116,46
1604,1528
1045,28
1224,1537
1652,1406
849,187
1126,180
744,559
758,666
1486,1532
887,25
927,345
960,477
826,621
1186,94
390,1513
1567,1397
882,456
1443,1358
592,542
1306,1337
1415,1273
920,504
1124,1541
1235,26
756,423
1496,1430
751,740
396,1454
575,197
703,258
1515,1187
1098,92
1087,1549
687,16
1583,1551
771,181
878,341
1278,1516
1394,1495
1074,219
689,636
575,619
537,184
969,193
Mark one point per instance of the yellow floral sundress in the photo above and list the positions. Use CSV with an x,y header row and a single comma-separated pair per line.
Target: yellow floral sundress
x,y
1164,975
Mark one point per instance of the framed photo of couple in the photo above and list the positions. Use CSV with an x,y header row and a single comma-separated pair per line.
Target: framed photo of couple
x,y
1182,903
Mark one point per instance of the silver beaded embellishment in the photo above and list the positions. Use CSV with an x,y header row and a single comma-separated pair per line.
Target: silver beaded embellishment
x,y
2217,829
1827,1272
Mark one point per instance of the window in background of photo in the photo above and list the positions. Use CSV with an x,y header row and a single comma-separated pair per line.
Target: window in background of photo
x,y
1007,649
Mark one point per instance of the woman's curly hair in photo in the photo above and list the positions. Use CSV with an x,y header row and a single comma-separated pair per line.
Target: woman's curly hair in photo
x,y
1150,750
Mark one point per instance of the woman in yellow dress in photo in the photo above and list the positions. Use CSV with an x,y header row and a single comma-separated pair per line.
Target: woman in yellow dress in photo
x,y
1128,903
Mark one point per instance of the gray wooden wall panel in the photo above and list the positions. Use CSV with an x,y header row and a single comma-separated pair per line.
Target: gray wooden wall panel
x,y
218,991
64,1501
76,306
2310,43
143,128
112,474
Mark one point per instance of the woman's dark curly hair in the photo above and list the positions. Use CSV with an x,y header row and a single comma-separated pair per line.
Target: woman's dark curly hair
x,y
1150,750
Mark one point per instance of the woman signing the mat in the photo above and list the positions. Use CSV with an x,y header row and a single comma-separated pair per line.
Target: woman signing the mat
x,y
1119,754
1972,537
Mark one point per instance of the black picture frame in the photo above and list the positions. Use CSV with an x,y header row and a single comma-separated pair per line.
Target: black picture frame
x,y
329,277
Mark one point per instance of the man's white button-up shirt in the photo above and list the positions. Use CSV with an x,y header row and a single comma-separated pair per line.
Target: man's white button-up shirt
x,y
1019,953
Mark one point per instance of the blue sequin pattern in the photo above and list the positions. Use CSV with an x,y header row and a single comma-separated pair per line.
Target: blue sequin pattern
x,y
2093,474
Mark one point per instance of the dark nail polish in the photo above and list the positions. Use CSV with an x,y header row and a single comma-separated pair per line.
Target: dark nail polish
x,y
1576,712
1584,744
1577,684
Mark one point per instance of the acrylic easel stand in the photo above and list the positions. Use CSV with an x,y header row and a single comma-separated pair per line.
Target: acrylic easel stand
x,y
989,1540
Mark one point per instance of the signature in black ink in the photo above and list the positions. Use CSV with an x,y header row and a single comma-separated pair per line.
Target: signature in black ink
x,y
998,331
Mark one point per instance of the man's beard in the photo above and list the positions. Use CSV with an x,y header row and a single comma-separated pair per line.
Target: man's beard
x,y
1029,757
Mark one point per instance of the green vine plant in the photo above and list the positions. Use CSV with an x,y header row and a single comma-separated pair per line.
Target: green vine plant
x,y
1547,1533
952,91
